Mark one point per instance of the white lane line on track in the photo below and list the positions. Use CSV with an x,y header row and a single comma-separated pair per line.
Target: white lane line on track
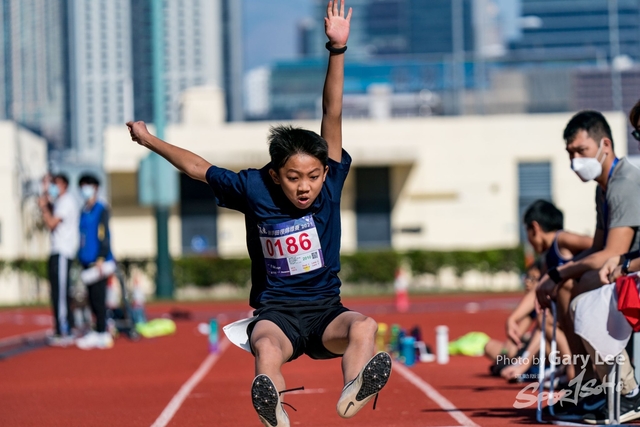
x,y
175,403
16,339
433,394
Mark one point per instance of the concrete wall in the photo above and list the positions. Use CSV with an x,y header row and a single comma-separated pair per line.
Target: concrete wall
x,y
22,164
455,178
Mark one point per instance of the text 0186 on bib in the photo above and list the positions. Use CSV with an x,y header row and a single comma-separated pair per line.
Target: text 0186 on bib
x,y
291,247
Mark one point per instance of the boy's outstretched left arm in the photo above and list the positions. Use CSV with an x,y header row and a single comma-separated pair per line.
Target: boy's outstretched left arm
x,y
185,161
337,29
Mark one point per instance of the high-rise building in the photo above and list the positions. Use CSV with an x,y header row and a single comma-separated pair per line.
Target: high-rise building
x,y
33,67
410,46
577,29
232,58
192,52
100,70
142,60
69,68
408,27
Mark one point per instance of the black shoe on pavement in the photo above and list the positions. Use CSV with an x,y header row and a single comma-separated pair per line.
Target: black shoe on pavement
x,y
629,410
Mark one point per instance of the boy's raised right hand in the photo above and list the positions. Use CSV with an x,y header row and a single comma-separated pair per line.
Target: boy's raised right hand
x,y
336,24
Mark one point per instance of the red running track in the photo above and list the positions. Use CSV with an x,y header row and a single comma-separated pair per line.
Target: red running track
x,y
133,383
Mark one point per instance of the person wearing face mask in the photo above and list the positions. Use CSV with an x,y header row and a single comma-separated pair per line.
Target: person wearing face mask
x,y
630,262
95,257
60,216
589,143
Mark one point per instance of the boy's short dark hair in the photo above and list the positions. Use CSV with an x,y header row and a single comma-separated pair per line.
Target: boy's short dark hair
x,y
591,121
88,179
286,141
546,214
634,115
62,177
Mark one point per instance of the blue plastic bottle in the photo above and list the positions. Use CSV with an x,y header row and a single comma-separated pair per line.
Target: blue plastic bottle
x,y
408,350
213,335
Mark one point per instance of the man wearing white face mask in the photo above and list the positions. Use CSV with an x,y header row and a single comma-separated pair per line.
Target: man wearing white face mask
x,y
96,259
630,262
60,216
590,146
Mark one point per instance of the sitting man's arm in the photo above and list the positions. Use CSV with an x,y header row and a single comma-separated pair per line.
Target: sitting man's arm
x,y
620,265
618,242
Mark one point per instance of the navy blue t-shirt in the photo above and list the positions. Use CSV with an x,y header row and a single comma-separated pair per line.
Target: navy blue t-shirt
x,y
295,254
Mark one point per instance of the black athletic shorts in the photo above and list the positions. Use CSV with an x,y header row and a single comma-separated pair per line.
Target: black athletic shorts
x,y
303,322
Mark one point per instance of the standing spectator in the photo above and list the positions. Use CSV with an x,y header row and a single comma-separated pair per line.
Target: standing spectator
x,y
96,260
60,215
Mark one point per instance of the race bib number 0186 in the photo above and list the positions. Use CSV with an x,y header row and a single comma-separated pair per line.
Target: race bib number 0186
x,y
291,247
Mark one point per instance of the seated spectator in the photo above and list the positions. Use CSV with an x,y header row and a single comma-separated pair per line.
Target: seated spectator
x,y
513,348
544,223
589,143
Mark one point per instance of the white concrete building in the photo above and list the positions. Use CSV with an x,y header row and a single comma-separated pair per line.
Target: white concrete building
x,y
416,183
22,164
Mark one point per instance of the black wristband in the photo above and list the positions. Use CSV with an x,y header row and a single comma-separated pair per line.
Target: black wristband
x,y
335,50
554,275
631,256
625,266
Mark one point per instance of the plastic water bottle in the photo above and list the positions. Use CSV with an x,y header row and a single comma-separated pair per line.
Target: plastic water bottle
x,y
408,350
213,335
416,333
393,341
138,304
442,344
381,337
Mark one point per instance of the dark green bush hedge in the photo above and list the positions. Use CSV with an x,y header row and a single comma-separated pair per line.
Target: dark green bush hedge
x,y
361,267
369,267
490,261
211,271
36,267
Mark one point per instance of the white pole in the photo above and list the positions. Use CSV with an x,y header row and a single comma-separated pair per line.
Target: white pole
x,y
541,361
614,51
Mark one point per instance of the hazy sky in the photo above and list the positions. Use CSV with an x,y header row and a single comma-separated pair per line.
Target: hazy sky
x,y
270,29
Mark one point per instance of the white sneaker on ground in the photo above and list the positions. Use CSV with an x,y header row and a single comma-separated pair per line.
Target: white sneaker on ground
x,y
100,340
60,340
266,402
365,386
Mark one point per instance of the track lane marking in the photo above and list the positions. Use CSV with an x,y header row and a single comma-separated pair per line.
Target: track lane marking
x,y
433,394
186,389
20,338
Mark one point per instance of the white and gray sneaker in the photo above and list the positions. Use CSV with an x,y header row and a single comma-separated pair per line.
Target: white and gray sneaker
x,y
100,340
267,403
365,386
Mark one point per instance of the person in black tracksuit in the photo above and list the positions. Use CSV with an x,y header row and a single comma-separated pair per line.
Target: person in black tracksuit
x,y
60,216
95,250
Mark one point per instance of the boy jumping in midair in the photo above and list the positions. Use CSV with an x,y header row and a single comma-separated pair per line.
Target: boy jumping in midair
x,y
292,216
